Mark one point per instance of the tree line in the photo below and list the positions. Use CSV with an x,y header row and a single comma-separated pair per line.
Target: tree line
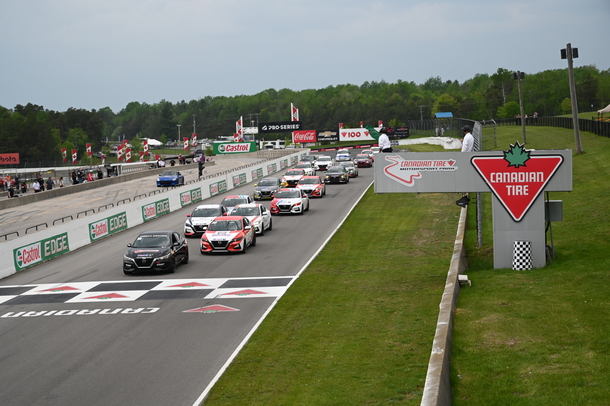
x,y
38,134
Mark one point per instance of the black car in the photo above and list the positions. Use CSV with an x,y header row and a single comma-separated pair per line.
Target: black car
x,y
156,251
336,174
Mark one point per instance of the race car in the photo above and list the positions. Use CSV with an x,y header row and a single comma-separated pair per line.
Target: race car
x,y
230,202
228,234
375,150
323,162
158,251
266,188
290,201
170,178
343,155
312,186
370,153
199,220
292,176
259,216
363,161
308,158
352,170
307,167
336,174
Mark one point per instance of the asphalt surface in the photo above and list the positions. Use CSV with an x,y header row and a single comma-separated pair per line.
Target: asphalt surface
x,y
160,349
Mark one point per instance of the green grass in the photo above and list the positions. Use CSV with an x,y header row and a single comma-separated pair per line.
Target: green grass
x,y
357,327
540,337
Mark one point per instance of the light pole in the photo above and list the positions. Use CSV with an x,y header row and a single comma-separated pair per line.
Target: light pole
x,y
519,76
569,53
194,131
179,139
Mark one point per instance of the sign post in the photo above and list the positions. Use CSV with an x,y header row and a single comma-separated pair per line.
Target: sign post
x,y
516,178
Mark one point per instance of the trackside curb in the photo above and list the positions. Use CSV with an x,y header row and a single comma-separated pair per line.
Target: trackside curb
x,y
437,389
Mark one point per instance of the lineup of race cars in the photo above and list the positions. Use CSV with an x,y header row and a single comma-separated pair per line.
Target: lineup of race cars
x,y
234,224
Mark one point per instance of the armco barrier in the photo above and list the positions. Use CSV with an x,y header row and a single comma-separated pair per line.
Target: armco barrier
x,y
437,389
38,247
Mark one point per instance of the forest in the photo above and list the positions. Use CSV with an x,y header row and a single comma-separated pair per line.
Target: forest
x,y
38,134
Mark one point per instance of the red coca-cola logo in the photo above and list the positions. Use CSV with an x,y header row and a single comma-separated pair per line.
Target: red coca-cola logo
x,y
304,136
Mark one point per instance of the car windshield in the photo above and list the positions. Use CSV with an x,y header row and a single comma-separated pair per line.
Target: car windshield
x,y
335,169
267,182
308,158
169,173
151,241
245,211
347,164
303,165
309,181
207,212
224,225
343,151
232,202
288,194
294,173
324,158
362,156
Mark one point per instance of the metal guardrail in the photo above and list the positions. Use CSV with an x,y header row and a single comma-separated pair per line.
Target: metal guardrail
x,y
124,201
62,219
105,207
139,196
85,212
36,227
7,234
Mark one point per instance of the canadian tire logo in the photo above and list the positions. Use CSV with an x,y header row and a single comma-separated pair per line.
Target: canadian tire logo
x,y
517,178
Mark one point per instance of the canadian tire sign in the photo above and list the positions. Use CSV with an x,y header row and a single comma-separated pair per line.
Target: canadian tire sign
x,y
233,147
517,178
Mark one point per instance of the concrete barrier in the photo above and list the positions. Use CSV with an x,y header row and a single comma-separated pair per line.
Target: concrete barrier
x,y
437,390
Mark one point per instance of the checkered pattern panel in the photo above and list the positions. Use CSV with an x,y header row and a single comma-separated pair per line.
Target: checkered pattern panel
x,y
522,256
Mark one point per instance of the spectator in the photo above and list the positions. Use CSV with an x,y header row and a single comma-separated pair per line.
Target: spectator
x,y
384,141
100,174
36,186
62,183
49,183
73,174
468,141
90,176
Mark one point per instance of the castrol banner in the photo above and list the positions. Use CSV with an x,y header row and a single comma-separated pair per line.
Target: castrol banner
x,y
354,134
233,147
40,251
303,136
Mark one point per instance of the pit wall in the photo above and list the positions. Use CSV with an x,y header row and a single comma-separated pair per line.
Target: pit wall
x,y
52,242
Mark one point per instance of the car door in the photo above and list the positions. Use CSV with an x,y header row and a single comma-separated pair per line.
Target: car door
x,y
266,216
249,234
179,246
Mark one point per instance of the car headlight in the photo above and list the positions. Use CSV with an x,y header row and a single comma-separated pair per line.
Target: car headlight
x,y
158,179
256,222
164,257
127,259
238,238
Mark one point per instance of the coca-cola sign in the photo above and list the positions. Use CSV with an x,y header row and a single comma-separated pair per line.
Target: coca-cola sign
x,y
304,136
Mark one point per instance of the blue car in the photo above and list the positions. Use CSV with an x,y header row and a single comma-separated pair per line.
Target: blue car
x,y
170,178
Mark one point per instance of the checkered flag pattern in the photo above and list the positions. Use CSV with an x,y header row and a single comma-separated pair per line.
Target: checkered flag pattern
x,y
522,256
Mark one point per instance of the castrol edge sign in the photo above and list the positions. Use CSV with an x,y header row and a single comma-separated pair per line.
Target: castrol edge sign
x,y
40,251
351,134
233,147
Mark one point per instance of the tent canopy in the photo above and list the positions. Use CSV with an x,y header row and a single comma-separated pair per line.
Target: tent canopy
x,y
444,115
604,110
153,142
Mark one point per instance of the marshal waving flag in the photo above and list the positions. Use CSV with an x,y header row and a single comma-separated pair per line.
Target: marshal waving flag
x,y
373,132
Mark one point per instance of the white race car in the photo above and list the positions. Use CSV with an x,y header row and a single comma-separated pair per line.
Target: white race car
x,y
343,155
323,162
199,220
259,216
292,177
307,167
290,201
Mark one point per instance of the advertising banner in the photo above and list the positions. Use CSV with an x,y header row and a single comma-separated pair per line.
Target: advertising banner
x,y
218,188
328,136
40,251
239,179
279,127
304,136
233,147
156,209
107,226
355,134
9,159
257,173
190,197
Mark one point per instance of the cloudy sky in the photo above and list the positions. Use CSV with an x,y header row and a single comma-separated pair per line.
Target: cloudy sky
x,y
94,54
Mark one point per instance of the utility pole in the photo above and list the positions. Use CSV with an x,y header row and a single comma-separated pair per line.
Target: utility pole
x,y
421,112
519,76
569,53
194,130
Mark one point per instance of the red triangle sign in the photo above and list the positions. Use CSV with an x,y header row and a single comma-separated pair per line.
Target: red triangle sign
x,y
212,309
188,285
61,289
108,296
517,185
246,292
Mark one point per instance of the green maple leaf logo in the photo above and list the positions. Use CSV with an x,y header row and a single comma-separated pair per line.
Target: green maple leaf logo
x,y
516,155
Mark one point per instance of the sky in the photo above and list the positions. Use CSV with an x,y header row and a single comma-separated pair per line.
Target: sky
x,y
89,54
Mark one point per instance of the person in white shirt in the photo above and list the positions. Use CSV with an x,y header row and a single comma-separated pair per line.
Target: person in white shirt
x,y
468,142
384,141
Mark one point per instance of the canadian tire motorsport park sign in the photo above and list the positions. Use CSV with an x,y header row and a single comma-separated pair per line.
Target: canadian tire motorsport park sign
x,y
517,179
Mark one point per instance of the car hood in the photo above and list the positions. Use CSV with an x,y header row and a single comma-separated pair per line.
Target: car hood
x,y
221,235
266,188
147,252
291,200
200,221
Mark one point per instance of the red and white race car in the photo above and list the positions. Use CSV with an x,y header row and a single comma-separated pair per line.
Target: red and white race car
x,y
292,177
312,185
228,234
259,216
290,201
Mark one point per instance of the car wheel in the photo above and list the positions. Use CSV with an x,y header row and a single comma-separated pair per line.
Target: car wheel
x,y
253,241
270,225
262,229
245,248
185,260
307,209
